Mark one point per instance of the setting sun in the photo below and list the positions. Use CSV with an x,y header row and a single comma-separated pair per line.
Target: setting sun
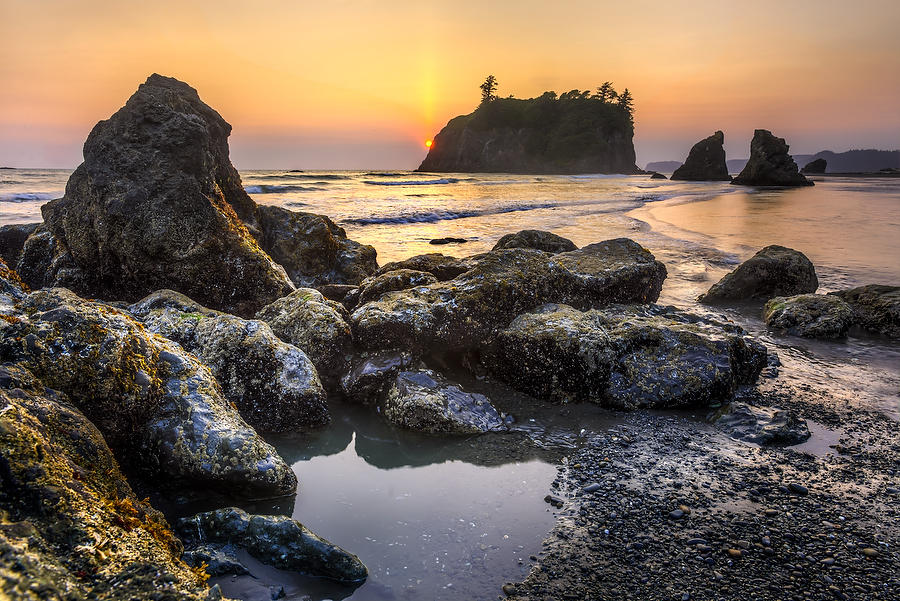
x,y
428,143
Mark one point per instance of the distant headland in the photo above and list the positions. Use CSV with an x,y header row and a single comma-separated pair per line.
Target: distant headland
x,y
574,132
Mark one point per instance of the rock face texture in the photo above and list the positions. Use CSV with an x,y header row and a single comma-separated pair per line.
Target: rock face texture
x,y
70,525
536,239
467,311
706,161
273,384
817,166
773,271
401,279
275,540
157,204
425,401
313,249
875,307
809,315
314,324
440,266
12,239
540,135
762,425
625,357
157,406
770,164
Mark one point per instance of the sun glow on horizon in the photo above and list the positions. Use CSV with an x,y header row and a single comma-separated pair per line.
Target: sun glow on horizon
x,y
428,143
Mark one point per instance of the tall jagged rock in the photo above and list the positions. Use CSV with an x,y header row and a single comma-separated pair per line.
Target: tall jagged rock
x,y
706,161
770,164
157,204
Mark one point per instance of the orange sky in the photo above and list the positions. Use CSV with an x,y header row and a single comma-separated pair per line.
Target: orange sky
x,y
362,84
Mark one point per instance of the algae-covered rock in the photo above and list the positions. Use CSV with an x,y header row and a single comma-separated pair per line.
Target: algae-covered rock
x,y
762,425
875,307
158,406
401,279
12,289
12,239
273,384
773,271
372,376
625,356
770,163
425,401
317,326
467,311
706,161
809,315
313,249
442,267
275,540
157,204
536,239
70,526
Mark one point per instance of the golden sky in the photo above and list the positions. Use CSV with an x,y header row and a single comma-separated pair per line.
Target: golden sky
x,y
363,83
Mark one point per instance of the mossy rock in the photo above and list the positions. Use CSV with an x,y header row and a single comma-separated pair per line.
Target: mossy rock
x,y
773,271
809,315
875,307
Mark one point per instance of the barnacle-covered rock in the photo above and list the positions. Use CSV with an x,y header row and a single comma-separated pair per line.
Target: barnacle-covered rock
x,y
70,525
536,239
773,271
273,384
443,267
275,540
425,401
158,406
467,311
875,307
315,325
400,279
809,315
625,356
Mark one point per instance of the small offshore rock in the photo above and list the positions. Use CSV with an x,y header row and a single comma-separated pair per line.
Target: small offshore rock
x,y
705,162
770,163
773,271
449,240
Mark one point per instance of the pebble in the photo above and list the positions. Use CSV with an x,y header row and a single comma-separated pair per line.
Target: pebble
x,y
676,515
592,487
736,553
798,489
870,552
771,513
555,501
509,589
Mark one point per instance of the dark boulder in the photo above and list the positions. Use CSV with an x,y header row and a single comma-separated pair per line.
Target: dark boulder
x,y
536,239
157,406
372,376
817,166
440,266
401,279
275,540
157,204
451,240
773,271
656,175
12,239
467,311
706,161
875,307
809,315
762,425
625,357
313,249
70,525
315,325
770,164
425,401
273,384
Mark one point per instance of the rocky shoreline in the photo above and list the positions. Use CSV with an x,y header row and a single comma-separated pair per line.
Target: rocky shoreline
x,y
159,326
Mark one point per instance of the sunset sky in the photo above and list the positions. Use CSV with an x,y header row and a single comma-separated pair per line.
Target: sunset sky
x,y
362,84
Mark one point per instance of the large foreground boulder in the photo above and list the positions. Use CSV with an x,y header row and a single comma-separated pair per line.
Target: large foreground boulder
x,y
875,307
273,384
314,324
157,406
625,357
706,161
70,525
467,311
770,164
157,204
809,315
773,271
313,249
275,540
425,401
536,239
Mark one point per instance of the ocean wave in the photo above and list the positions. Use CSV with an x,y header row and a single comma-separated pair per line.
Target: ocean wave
x,y
506,182
384,174
28,196
598,176
296,175
443,215
414,182
274,189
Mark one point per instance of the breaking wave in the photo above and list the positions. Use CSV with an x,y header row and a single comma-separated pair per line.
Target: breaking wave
x,y
28,196
274,189
414,182
441,215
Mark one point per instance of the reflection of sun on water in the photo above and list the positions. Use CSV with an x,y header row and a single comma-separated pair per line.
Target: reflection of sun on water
x,y
428,143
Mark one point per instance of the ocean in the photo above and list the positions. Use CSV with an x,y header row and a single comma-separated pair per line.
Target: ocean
x,y
448,520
